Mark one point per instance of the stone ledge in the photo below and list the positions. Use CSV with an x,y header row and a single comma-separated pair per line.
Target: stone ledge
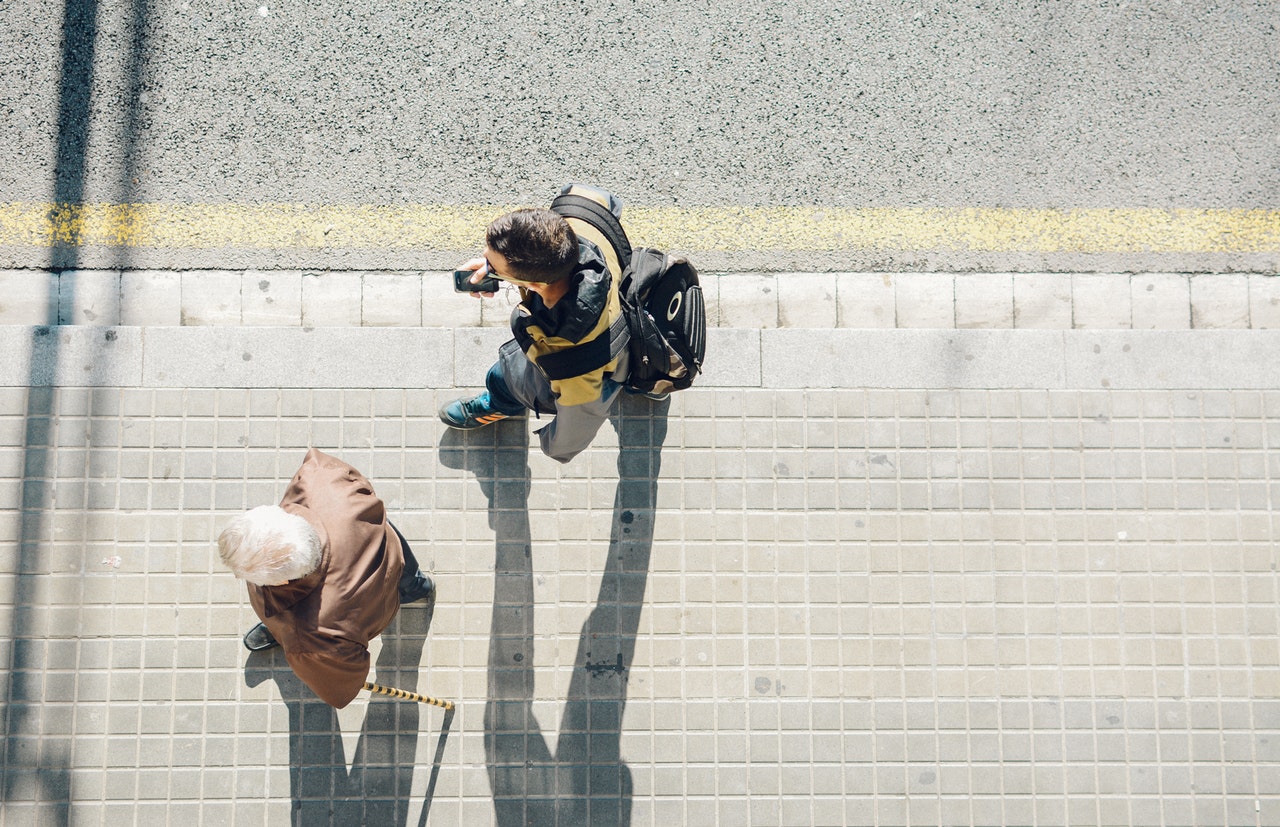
x,y
289,357
761,301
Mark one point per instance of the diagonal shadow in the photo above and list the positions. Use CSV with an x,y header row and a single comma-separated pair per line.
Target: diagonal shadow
x,y
376,789
46,779
584,781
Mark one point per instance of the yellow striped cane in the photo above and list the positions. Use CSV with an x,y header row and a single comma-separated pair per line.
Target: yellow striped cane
x,y
408,696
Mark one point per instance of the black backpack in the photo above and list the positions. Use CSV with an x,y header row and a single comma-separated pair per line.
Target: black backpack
x,y
663,321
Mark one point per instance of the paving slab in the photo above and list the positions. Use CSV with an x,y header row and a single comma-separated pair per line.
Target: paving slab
x,y
911,358
1161,300
298,357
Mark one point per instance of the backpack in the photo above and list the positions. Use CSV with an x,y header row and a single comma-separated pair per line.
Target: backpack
x,y
663,321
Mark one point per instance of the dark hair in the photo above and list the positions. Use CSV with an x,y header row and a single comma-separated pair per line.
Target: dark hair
x,y
537,243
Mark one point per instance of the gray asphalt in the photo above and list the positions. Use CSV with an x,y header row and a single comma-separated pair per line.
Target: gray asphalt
x,y
1017,104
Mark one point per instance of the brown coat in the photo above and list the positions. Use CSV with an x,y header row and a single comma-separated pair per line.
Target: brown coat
x,y
324,621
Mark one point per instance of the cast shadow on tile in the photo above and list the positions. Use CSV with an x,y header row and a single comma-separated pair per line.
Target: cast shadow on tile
x,y
376,787
583,780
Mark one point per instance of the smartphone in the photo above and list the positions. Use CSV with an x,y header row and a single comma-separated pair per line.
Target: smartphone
x,y
462,283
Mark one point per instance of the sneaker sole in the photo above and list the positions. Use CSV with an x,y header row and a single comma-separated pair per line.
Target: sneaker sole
x,y
480,421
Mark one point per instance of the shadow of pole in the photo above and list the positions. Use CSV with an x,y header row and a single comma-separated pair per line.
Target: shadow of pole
x,y
36,774
585,781
436,761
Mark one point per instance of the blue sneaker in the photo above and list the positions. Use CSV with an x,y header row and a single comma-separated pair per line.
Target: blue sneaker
x,y
475,412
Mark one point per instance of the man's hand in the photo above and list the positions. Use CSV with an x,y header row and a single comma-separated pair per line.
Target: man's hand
x,y
481,269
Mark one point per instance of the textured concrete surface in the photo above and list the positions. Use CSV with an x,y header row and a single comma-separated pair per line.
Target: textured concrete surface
x,y
814,103
243,113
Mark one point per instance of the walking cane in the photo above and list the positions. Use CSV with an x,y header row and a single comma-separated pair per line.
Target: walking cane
x,y
408,696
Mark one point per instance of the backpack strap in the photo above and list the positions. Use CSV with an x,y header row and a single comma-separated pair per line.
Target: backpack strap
x,y
588,356
599,217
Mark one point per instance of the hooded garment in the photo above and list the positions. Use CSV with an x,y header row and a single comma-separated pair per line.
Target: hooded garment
x,y
324,621
581,403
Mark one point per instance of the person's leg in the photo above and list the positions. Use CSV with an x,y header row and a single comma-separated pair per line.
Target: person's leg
x,y
500,396
494,404
414,585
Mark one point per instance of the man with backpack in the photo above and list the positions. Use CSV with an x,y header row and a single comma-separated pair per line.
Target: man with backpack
x,y
577,329
569,295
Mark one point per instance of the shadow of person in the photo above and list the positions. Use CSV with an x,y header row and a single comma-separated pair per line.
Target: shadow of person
x,y
376,788
584,781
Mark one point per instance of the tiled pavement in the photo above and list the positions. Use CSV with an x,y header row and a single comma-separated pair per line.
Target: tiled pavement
x,y
858,576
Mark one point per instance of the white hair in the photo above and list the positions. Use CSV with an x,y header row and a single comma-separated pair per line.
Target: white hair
x,y
268,546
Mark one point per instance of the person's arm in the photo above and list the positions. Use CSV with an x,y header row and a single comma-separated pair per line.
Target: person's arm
x,y
480,269
336,676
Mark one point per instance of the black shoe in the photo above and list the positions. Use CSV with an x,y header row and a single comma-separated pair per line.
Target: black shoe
x,y
421,589
474,412
259,638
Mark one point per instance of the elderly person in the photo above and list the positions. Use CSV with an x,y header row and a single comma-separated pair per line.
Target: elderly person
x,y
326,572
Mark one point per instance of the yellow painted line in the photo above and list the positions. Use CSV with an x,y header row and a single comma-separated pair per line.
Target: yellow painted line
x,y
963,229
267,226
728,229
